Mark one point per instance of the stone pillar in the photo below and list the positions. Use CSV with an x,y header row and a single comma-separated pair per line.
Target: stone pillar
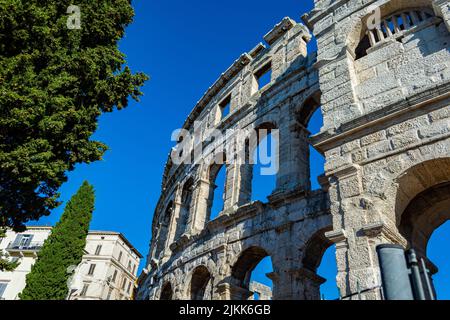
x,y
199,210
232,186
244,189
174,223
337,82
228,291
298,284
294,158
356,237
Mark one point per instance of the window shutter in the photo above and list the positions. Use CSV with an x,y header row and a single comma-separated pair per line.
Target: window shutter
x,y
17,241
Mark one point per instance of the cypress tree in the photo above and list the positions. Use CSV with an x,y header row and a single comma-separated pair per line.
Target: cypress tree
x,y
62,249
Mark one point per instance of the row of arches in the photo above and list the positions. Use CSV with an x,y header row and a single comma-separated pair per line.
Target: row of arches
x,y
216,189
252,269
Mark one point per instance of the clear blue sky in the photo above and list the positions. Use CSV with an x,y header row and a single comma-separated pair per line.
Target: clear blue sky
x,y
184,46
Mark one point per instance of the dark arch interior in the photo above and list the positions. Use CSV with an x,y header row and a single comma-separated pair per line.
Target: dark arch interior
x,y
422,208
424,214
199,282
167,292
308,108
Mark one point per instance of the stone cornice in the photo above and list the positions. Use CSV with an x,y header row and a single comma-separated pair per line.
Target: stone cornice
x,y
279,30
382,229
336,236
308,274
328,139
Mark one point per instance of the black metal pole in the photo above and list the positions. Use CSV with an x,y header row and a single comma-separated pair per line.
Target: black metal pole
x,y
415,273
427,280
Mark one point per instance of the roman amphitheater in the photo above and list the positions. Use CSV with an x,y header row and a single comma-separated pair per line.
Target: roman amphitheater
x,y
384,93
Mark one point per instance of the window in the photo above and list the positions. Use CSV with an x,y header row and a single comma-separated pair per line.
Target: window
x,y
120,256
3,286
134,269
129,266
98,250
84,290
264,76
114,277
91,269
392,27
129,287
110,291
23,240
124,283
225,107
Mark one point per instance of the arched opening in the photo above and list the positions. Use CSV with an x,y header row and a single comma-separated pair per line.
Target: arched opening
x,y
250,276
393,25
438,252
263,158
218,176
328,270
261,285
201,284
186,200
310,118
163,229
166,292
319,261
423,206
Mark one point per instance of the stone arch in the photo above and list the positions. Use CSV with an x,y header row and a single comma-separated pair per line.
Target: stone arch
x,y
308,152
200,287
313,253
166,292
424,214
241,271
315,248
417,179
422,202
357,27
308,107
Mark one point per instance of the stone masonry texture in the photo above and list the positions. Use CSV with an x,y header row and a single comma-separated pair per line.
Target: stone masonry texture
x,y
385,100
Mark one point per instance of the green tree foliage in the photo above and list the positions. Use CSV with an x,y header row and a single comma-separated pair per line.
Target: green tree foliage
x,y
54,84
62,249
5,264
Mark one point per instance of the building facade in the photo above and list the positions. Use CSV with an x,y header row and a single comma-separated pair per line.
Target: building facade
x,y
108,270
381,79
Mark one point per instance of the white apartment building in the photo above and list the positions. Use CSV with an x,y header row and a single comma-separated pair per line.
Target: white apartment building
x,y
108,270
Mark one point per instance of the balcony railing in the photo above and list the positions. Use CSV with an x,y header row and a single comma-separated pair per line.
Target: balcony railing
x,y
32,246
